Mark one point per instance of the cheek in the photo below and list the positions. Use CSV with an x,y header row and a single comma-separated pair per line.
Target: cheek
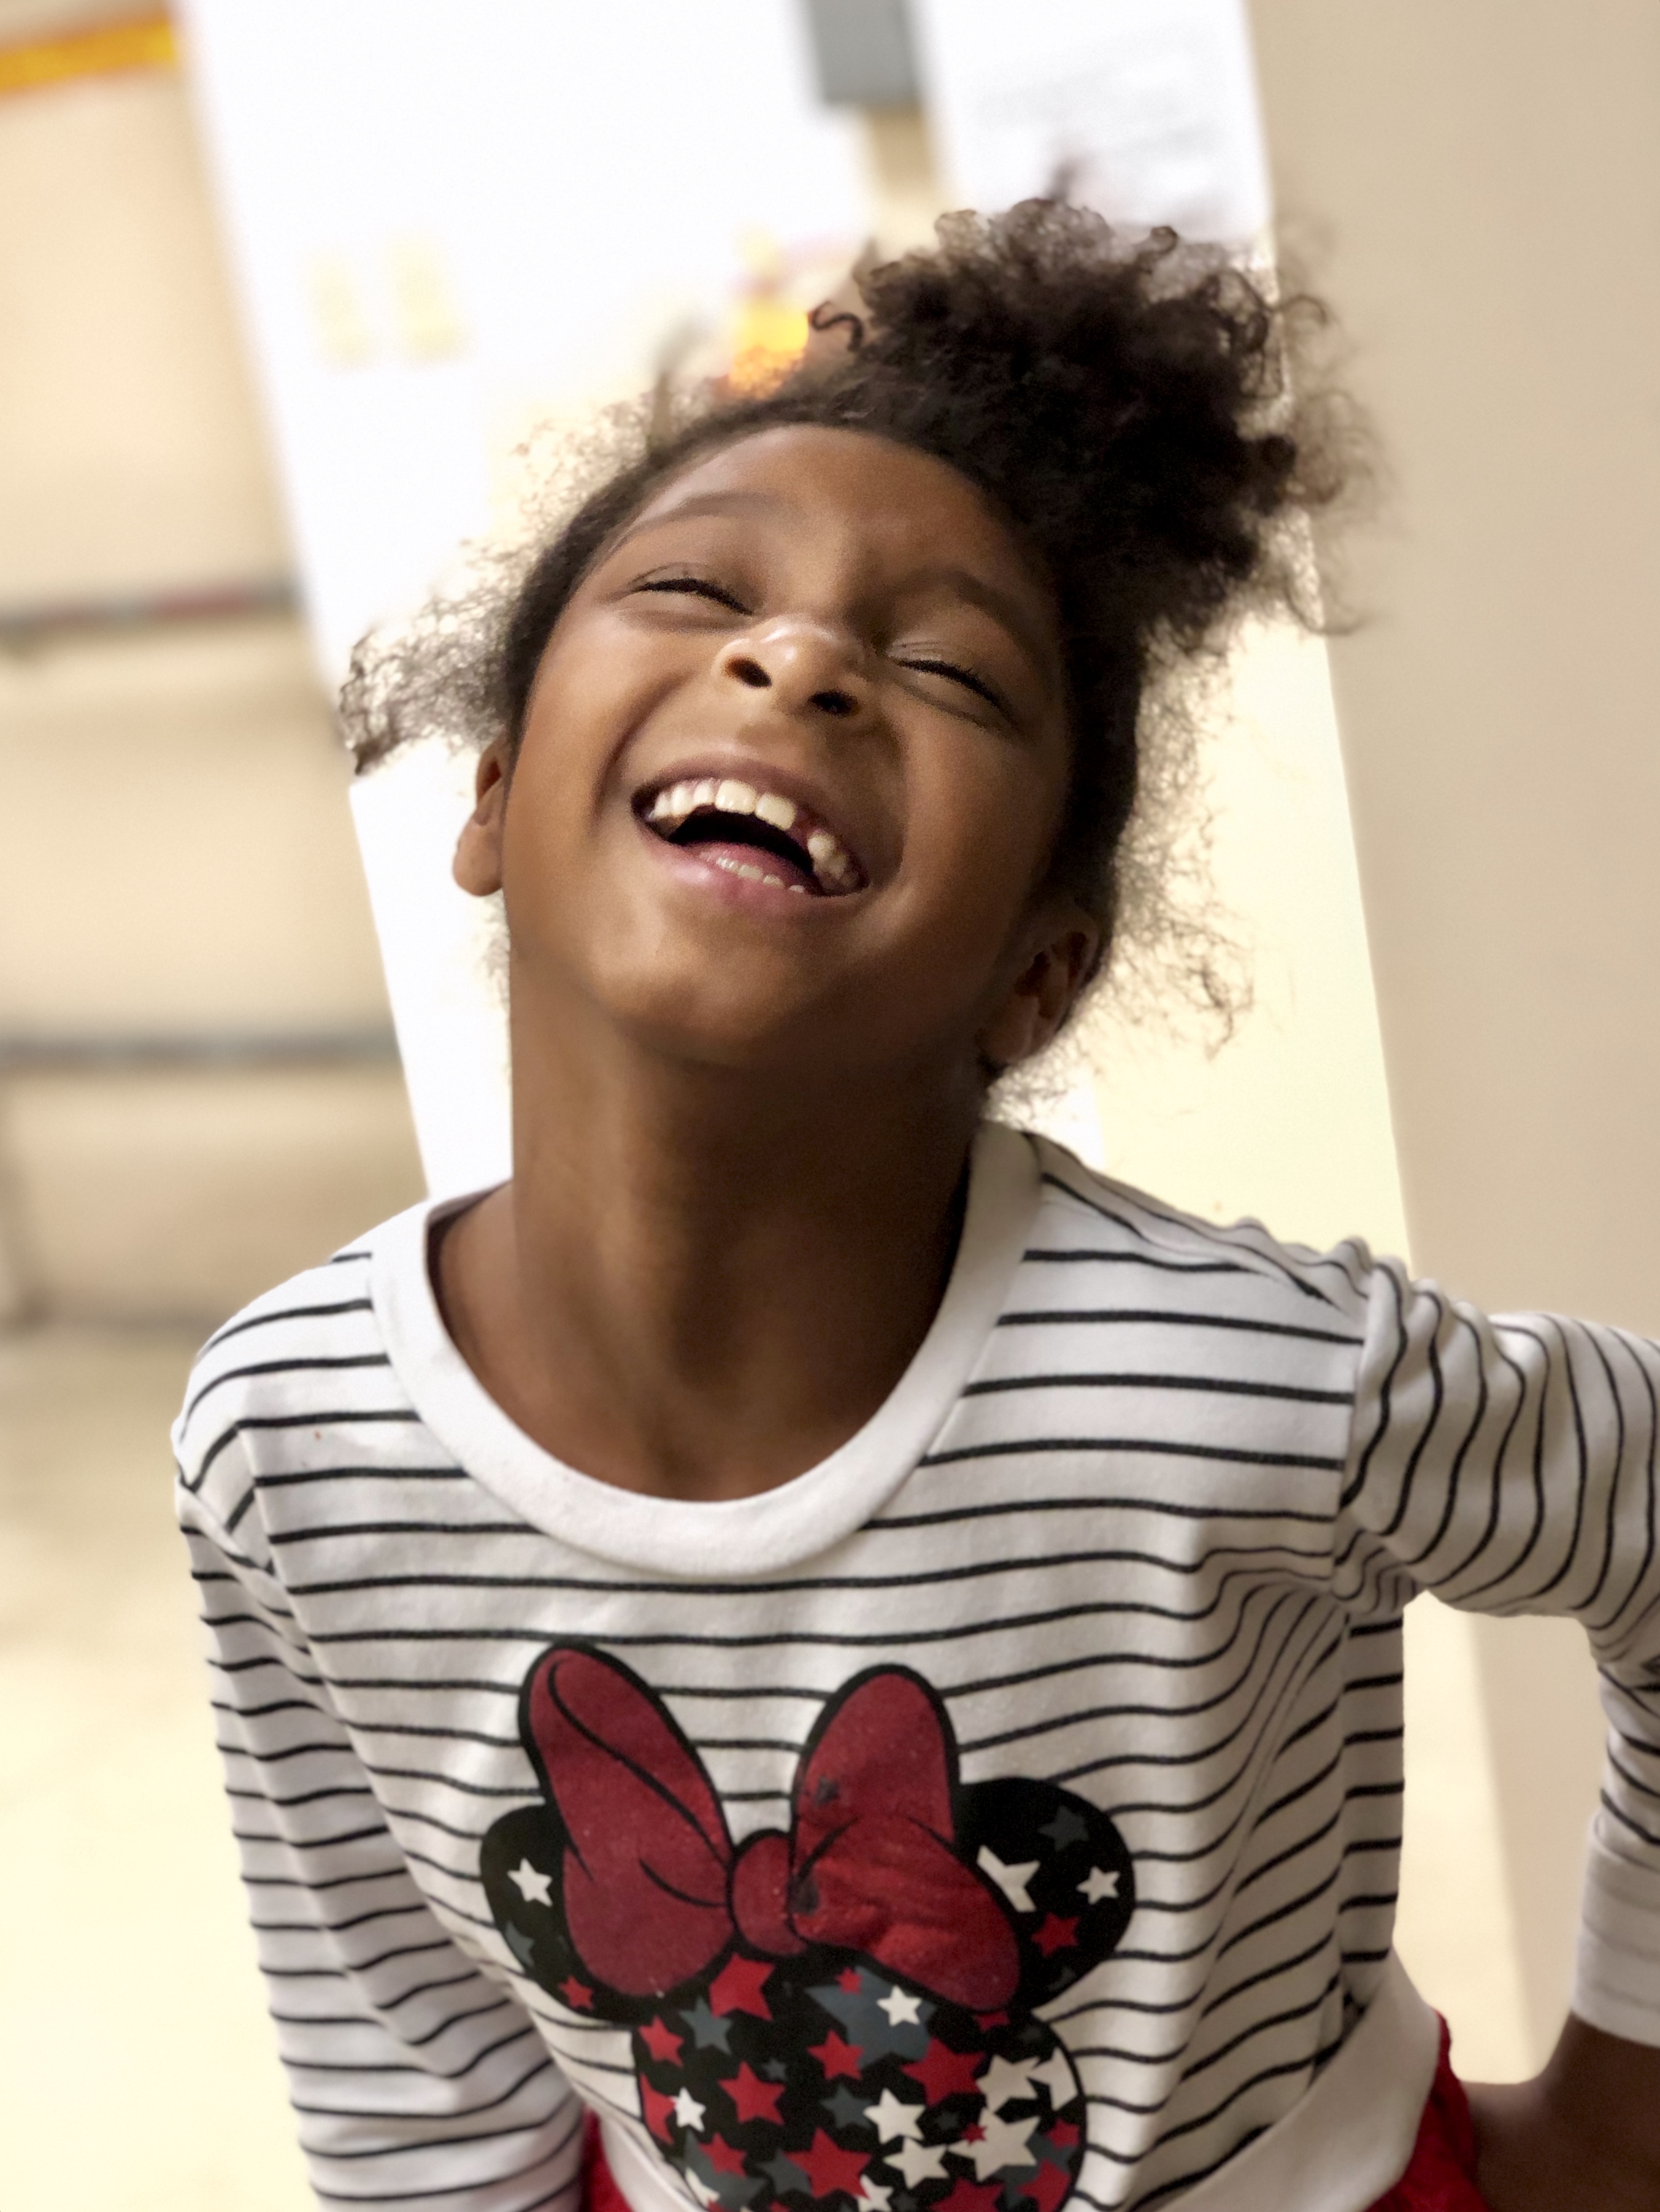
x,y
982,823
581,701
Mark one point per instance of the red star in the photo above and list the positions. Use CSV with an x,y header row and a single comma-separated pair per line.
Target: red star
x,y
753,2099
725,2160
1056,1934
973,2132
829,2167
577,1994
659,2109
972,2196
944,2071
737,1987
662,2043
1047,2187
849,1982
836,2057
1063,2134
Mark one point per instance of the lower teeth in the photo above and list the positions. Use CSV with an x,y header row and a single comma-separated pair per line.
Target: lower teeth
x,y
754,875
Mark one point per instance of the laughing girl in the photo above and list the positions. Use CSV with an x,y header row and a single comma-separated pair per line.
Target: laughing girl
x,y
807,1625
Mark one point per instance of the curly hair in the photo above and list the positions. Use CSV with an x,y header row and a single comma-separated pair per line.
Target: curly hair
x,y
1130,411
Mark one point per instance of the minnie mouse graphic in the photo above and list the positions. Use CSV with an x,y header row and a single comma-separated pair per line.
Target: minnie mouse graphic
x,y
843,2010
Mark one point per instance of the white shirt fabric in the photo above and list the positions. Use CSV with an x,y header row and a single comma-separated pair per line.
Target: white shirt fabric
x,y
1122,1558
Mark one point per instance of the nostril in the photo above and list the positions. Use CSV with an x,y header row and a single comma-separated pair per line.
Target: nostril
x,y
834,703
750,672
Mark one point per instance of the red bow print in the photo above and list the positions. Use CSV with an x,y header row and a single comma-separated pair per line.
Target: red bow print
x,y
654,1892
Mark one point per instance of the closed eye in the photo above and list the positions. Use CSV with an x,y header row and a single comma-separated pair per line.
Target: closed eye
x,y
965,677
701,587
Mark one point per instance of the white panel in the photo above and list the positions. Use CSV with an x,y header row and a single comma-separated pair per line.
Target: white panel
x,y
1148,107
443,210
443,972
449,217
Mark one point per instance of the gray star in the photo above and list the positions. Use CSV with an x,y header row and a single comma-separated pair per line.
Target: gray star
x,y
844,2108
1048,2154
711,2031
1065,1828
776,2070
727,2189
786,2176
519,1944
864,2023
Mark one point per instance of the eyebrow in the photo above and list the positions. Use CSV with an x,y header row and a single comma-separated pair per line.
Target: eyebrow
x,y
1001,606
709,502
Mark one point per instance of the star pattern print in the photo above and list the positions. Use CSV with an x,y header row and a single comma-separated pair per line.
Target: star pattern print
x,y
937,2106
789,2075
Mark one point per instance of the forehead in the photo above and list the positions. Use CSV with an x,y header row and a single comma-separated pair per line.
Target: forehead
x,y
905,507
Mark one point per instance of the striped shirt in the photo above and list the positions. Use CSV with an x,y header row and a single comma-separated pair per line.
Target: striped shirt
x,y
1004,1812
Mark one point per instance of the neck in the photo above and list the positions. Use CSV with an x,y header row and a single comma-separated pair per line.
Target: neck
x,y
700,1281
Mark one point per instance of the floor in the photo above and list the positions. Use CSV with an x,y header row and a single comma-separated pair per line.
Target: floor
x,y
137,2067
135,2056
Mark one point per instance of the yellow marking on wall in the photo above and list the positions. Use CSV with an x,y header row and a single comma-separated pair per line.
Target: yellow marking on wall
x,y
146,41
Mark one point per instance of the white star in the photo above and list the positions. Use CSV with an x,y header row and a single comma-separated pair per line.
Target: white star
x,y
687,2110
1058,2078
872,2193
1005,2080
1011,1880
918,2162
900,2008
1004,2143
891,2116
1096,1885
533,1887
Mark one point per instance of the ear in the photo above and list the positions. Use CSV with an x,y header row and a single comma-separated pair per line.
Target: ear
x,y
478,864
1075,1893
1042,995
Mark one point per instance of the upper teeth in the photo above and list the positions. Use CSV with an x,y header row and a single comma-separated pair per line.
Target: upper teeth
x,y
832,863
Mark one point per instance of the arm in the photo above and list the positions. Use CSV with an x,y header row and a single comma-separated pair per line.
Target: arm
x,y
416,2077
1511,1466
1585,2133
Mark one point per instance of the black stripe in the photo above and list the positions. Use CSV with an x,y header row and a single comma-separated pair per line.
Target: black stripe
x,y
1219,1385
283,1313
314,1366
1168,1316
335,1416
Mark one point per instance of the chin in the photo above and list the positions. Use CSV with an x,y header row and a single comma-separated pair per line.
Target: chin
x,y
686,1012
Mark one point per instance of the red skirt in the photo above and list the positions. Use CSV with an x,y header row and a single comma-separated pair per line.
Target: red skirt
x,y
1440,2179
1442,2175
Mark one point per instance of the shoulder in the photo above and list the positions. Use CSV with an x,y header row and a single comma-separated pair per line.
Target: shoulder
x,y
1102,1241
311,1350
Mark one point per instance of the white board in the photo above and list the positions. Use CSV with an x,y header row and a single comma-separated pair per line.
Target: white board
x,y
448,219
1147,108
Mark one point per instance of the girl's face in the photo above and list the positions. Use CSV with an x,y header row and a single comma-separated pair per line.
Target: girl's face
x,y
793,763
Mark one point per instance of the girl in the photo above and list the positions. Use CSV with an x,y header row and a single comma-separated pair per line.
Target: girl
x,y
806,1625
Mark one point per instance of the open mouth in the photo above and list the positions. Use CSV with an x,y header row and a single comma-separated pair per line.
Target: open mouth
x,y
757,834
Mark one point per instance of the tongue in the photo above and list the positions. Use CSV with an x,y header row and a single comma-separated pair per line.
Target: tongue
x,y
733,853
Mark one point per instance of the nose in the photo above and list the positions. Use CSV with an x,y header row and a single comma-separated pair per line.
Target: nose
x,y
806,665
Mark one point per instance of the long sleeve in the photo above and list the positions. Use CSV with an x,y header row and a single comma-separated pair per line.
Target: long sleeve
x,y
418,2080
1510,1465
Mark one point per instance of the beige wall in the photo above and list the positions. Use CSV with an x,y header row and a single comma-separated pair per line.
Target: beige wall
x,y
1483,182
176,856
1480,184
